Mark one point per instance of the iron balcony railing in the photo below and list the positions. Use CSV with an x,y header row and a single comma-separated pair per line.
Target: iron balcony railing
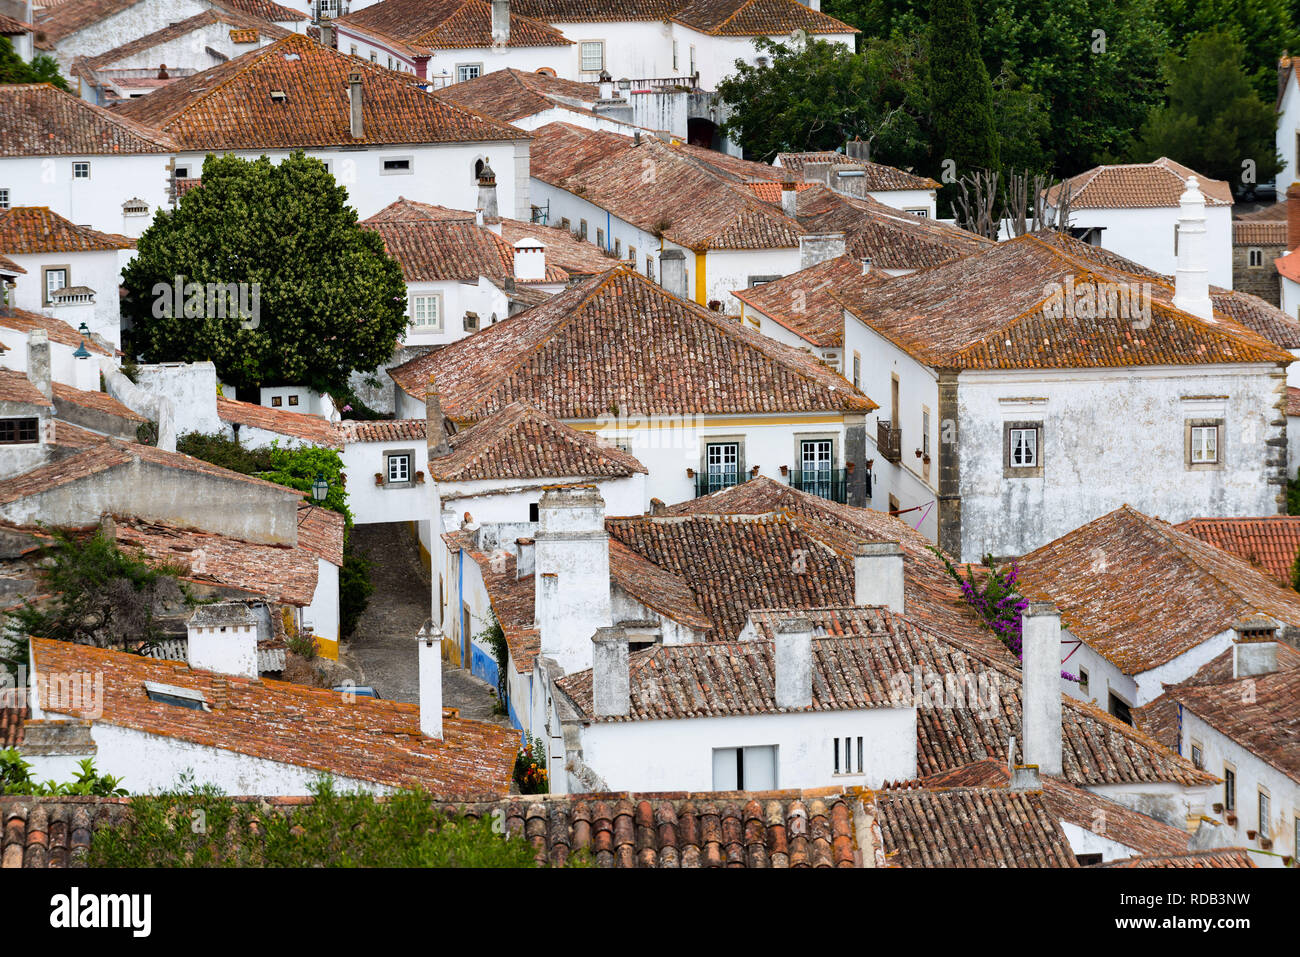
x,y
830,484
889,439
708,484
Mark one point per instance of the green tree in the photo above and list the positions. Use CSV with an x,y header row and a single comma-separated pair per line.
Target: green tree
x,y
42,69
817,95
1264,28
330,300
961,95
1214,120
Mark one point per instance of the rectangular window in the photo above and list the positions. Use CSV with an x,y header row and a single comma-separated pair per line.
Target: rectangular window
x,y
397,165
857,370
399,468
674,56
1229,789
849,754
1024,448
649,268
293,400
925,431
722,464
4,199
276,401
618,249
1198,755
374,57
745,769
692,59
56,278
593,56
600,237
816,458
582,229
1083,680
1255,258
468,71
564,222
81,171
426,313
631,255
1120,709
19,431
353,49
534,512
471,321
1263,814
1204,441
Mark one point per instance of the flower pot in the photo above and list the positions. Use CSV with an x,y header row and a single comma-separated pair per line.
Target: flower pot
x,y
379,478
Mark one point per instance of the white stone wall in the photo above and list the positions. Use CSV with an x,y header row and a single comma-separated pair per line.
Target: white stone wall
x,y
441,69
371,503
456,298
100,271
1146,236
907,200
1288,135
323,612
95,202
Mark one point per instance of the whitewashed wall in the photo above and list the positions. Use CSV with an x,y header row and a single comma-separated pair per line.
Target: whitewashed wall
x,y
100,271
95,202
1288,135
1146,236
371,503
323,612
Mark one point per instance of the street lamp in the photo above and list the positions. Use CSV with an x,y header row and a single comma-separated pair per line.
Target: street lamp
x,y
320,488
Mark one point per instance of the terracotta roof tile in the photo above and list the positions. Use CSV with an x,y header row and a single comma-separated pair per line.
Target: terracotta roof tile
x,y
230,106
511,94
87,66
1275,212
59,331
1158,183
1270,233
1141,592
62,20
98,401
40,120
746,18
771,192
7,265
421,27
1219,858
10,27
370,740
520,442
510,596
16,387
320,531
313,428
380,430
1270,543
434,250
806,302
11,724
877,176
37,229
563,357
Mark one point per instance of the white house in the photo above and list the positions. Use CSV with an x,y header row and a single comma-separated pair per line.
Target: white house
x,y
378,132
89,166
386,462
1288,123
853,173
1133,210
74,359
992,440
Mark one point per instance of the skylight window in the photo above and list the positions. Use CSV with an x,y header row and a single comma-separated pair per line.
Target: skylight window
x,y
174,695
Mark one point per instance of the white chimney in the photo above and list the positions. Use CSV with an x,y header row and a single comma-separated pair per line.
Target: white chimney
x,y
610,680
878,575
530,260
866,265
524,560
1025,777
223,638
1192,280
793,663
789,199
606,88
500,22
487,192
571,569
1254,650
354,105
435,423
38,362
1040,698
429,643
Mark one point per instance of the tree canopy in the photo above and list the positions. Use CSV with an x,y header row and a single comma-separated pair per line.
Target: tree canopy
x,y
275,280
14,69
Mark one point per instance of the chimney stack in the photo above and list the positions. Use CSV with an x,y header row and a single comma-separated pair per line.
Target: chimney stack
x,y
789,199
1025,777
793,663
38,362
878,575
487,191
1254,650
223,638
435,423
1293,216
606,89
1040,699
1192,278
524,558
429,645
530,260
500,22
866,265
856,149
610,680
571,568
354,105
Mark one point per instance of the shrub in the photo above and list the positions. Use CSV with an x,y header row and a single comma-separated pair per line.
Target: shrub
x,y
16,778
530,767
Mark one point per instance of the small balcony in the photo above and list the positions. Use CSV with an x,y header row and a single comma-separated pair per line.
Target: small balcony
x,y
708,484
832,484
889,440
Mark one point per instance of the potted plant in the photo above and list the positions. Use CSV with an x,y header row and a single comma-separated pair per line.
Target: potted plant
x,y
379,478
419,477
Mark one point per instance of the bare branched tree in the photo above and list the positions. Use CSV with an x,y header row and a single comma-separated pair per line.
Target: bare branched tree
x,y
976,209
1034,202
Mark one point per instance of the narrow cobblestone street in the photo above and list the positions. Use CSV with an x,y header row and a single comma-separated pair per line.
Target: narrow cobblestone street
x,y
383,647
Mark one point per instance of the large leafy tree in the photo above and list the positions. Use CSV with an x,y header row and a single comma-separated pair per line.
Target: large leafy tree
x,y
1264,28
816,95
14,69
1214,120
330,300
961,95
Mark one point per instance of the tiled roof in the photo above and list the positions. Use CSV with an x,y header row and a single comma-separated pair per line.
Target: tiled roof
x,y
1133,185
1271,542
421,27
1219,858
511,94
11,725
40,120
1096,747
98,401
433,251
1274,212
16,387
380,430
85,66
11,27
971,827
1074,805
320,531
59,331
1288,266
38,229
1140,592
521,442
989,310
564,357
313,428
1292,400
748,18
804,302
230,106
877,176
584,11
62,20
772,829
262,9
1254,233
72,436
368,739
7,265
771,192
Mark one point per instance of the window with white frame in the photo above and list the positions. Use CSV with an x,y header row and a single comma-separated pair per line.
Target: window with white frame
x,y
4,199
81,171
56,278
1023,449
925,432
848,755
1229,789
1204,441
399,467
1198,754
857,370
649,268
674,56
468,71
745,769
1263,814
692,59
426,313
1255,257
593,56
722,464
396,165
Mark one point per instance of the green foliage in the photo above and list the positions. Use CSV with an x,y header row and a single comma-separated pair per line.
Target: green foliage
x,y
204,829
227,453
1293,495
531,767
1214,119
299,468
355,588
1263,28
16,778
146,433
815,96
961,95
304,645
101,595
331,300
494,636
42,69
1295,572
